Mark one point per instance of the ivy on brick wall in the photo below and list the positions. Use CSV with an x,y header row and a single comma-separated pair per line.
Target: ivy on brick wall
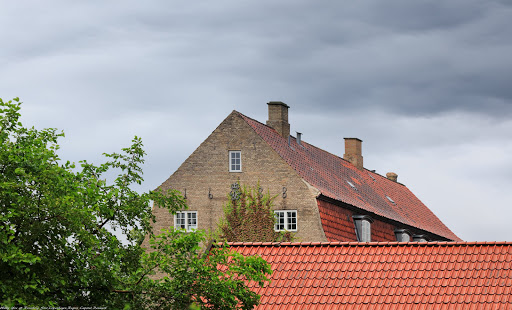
x,y
248,217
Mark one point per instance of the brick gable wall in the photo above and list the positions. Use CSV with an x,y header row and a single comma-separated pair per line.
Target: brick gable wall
x,y
206,170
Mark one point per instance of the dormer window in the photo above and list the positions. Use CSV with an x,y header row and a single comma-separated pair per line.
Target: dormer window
x,y
363,225
235,161
402,235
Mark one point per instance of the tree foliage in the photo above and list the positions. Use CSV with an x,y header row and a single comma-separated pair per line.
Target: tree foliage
x,y
249,217
58,248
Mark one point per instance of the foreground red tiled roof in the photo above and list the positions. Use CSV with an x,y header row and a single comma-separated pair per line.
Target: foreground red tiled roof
x,y
330,173
427,275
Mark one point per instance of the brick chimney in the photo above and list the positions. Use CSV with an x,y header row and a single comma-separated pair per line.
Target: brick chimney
x,y
353,152
278,117
392,176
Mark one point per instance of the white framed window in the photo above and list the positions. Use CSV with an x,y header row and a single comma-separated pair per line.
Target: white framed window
x,y
286,220
185,220
235,161
363,225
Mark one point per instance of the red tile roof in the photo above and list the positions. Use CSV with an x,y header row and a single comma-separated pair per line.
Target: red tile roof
x,y
329,174
387,275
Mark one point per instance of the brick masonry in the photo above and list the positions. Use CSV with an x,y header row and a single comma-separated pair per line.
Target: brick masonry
x,y
353,152
207,170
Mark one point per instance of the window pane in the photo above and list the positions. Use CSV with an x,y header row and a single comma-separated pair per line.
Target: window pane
x,y
192,220
279,221
180,220
292,220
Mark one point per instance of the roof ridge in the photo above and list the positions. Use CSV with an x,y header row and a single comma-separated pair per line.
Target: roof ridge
x,y
372,244
296,138
320,149
252,119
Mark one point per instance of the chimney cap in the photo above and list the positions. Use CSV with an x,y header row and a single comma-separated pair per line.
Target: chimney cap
x,y
278,103
353,139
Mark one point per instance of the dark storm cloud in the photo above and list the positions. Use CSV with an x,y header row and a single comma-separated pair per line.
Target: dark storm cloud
x,y
425,84
419,16
415,58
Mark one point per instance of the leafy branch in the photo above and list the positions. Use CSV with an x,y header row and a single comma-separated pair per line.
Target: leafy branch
x,y
58,249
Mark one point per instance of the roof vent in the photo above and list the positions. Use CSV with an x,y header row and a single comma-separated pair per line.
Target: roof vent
x,y
392,176
390,200
363,227
402,235
419,238
352,185
299,137
353,152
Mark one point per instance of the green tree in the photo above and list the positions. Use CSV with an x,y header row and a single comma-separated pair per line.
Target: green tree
x,y
249,217
57,247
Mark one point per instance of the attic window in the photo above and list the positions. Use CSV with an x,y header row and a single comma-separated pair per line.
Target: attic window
x,y
235,161
363,227
352,185
391,200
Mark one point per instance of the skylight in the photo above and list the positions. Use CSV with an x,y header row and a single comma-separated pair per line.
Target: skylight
x,y
371,176
392,201
352,185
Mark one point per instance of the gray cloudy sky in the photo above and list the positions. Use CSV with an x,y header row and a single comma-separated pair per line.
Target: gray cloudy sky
x,y
425,84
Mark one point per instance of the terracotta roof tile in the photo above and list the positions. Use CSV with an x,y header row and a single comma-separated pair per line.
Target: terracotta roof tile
x,y
330,173
391,275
